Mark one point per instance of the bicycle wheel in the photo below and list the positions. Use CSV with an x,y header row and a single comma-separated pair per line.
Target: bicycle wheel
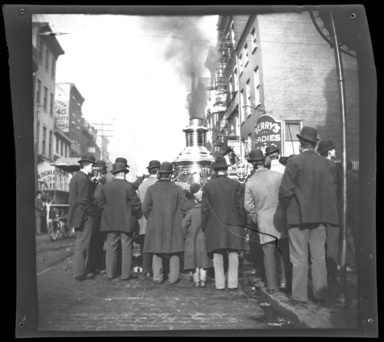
x,y
53,230
65,230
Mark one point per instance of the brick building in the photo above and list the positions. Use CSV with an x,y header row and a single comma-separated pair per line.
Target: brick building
x,y
283,74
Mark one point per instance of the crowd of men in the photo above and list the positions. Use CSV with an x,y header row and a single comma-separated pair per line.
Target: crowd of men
x,y
291,212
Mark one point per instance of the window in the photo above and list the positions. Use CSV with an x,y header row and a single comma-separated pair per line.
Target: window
x,y
248,108
61,147
66,151
47,60
236,84
38,91
45,98
40,49
241,65
253,40
51,106
43,142
257,87
57,145
291,142
245,53
53,67
50,145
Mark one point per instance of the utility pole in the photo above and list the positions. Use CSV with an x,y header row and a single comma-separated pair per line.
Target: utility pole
x,y
100,128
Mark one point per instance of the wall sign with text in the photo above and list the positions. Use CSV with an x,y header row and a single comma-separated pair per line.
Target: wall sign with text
x,y
267,132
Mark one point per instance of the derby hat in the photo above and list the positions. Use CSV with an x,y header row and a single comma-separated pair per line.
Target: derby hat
x,y
122,160
325,145
100,165
256,155
220,163
271,149
153,164
166,167
119,167
87,158
194,188
308,134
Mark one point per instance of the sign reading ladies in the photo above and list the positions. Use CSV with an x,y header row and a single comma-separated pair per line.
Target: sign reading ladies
x,y
268,131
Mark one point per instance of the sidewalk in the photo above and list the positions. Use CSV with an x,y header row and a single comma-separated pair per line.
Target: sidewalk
x,y
330,316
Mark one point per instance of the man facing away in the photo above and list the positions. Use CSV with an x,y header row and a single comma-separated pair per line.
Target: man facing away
x,y
273,153
39,211
81,215
327,150
224,223
152,167
307,193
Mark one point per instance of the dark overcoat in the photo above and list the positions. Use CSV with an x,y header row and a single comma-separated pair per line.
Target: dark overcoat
x,y
164,207
195,252
223,214
121,206
307,190
80,199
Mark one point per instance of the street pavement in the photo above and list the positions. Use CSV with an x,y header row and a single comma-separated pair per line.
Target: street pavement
x,y
140,306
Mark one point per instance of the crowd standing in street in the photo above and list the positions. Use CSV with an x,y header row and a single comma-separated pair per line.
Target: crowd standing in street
x,y
261,202
121,209
307,193
39,211
326,149
195,252
153,167
164,207
81,215
223,221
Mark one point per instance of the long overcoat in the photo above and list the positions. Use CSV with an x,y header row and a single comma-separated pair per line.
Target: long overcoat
x,y
307,190
195,252
80,200
261,202
121,206
223,214
164,207
141,192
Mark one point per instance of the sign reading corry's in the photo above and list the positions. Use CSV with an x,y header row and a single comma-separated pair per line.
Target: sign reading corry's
x,y
268,132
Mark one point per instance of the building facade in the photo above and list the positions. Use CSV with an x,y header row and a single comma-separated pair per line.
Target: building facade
x,y
280,75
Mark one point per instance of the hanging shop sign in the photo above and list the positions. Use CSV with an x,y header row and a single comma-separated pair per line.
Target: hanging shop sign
x,y
267,132
62,106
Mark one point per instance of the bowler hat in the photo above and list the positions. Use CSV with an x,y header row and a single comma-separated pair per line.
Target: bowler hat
x,y
100,165
122,160
220,163
271,149
325,145
87,158
166,167
194,188
256,155
153,164
119,167
308,134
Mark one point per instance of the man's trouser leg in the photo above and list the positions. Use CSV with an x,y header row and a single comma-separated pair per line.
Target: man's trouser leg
x,y
332,251
298,253
317,237
157,266
126,255
112,244
82,243
38,224
233,270
174,268
218,265
270,264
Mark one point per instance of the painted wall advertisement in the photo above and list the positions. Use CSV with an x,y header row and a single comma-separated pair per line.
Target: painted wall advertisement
x,y
268,132
62,107
50,178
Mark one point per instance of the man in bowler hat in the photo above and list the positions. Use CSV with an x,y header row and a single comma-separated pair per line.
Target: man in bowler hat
x,y
224,222
81,215
307,193
138,180
164,207
326,149
153,167
121,209
273,152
